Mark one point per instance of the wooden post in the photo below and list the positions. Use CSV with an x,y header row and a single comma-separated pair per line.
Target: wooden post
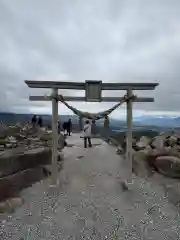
x,y
129,132
54,136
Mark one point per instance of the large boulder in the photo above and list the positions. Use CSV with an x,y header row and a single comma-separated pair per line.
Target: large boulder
x,y
11,185
13,162
171,141
155,153
151,157
6,207
158,142
168,166
11,204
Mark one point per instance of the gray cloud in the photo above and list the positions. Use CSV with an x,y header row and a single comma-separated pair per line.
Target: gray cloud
x,y
111,40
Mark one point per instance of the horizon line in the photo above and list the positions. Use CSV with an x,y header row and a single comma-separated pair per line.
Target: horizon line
x,y
116,118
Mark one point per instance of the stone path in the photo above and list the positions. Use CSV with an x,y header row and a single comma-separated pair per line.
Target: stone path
x,y
90,204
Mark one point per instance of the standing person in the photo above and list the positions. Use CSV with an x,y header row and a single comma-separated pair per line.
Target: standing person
x,y
40,121
106,128
34,121
69,127
87,134
64,127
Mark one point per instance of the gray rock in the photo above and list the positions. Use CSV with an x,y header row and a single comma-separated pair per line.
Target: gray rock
x,y
8,145
168,166
14,161
11,204
143,142
158,142
172,140
16,202
119,150
6,207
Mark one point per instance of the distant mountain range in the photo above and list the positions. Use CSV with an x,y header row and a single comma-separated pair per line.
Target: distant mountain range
x,y
138,123
159,121
11,118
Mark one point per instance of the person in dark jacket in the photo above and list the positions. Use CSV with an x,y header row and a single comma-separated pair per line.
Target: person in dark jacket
x,y
40,122
34,121
69,127
64,127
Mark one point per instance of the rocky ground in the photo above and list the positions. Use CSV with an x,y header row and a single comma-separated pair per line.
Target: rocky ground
x,y
89,202
25,135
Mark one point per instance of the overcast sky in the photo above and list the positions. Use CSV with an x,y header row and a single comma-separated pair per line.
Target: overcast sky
x,y
74,40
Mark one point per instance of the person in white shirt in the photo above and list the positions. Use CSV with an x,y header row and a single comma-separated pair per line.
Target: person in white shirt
x,y
87,134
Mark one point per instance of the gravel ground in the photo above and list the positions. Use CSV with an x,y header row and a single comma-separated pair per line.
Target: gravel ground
x,y
89,202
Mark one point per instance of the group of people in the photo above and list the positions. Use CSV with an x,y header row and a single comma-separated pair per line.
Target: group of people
x,y
66,127
88,129
37,121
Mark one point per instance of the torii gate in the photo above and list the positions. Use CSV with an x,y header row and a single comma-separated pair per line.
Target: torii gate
x,y
93,93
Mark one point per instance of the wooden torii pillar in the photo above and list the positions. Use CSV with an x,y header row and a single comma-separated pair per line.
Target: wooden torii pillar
x,y
54,134
129,120
93,91
80,123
